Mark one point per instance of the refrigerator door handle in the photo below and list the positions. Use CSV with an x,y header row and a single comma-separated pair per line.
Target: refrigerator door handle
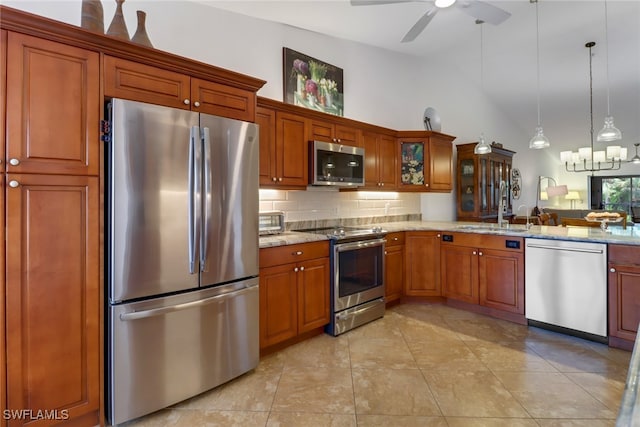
x,y
208,199
194,197
135,315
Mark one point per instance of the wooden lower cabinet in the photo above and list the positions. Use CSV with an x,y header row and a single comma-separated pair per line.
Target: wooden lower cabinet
x,y
484,270
394,266
53,314
422,263
294,291
624,295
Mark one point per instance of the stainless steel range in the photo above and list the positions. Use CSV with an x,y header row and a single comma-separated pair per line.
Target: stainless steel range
x,y
357,282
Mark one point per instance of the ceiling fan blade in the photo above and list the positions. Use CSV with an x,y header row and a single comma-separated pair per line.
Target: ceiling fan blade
x,y
484,11
419,26
376,2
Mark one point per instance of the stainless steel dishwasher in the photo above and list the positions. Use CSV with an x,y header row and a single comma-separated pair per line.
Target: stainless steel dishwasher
x,y
566,286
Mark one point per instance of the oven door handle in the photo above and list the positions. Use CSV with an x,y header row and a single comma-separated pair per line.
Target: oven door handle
x,y
340,247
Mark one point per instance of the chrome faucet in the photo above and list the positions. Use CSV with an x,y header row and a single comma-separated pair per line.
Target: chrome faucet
x,y
528,225
502,223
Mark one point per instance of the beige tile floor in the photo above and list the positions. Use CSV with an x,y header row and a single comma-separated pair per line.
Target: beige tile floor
x,y
421,365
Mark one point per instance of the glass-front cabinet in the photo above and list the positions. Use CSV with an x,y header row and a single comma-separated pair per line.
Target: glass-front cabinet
x,y
478,179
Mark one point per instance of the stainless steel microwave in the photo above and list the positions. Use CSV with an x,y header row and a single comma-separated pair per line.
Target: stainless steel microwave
x,y
336,164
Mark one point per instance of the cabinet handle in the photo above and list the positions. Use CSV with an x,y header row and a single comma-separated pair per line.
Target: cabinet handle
x,y
186,101
297,253
14,162
196,104
14,184
301,268
613,270
295,269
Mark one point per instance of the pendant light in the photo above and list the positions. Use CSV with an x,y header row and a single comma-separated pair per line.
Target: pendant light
x,y
539,140
481,147
609,132
636,159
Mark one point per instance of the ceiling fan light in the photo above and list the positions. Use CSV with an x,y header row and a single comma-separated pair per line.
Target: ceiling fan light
x,y
609,132
444,3
539,141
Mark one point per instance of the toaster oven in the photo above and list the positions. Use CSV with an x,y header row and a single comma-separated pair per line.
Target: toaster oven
x,y
271,222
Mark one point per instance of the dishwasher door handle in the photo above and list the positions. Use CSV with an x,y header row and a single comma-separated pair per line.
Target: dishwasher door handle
x,y
556,248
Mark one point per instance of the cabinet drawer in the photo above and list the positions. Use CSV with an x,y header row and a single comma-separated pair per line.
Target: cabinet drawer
x,y
395,239
624,254
485,241
293,253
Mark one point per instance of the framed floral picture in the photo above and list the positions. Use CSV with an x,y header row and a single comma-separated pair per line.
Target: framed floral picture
x,y
412,163
311,83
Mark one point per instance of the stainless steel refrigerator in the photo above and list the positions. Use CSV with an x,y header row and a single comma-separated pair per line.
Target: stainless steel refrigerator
x,y
182,255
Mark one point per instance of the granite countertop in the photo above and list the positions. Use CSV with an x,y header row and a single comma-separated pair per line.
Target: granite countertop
x,y
630,236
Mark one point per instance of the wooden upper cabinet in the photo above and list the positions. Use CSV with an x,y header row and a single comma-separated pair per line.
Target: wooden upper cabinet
x,y
380,153
291,151
333,132
266,120
425,159
53,107
440,165
53,292
140,82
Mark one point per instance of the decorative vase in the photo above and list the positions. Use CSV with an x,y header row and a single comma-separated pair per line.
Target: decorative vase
x,y
92,16
118,27
140,35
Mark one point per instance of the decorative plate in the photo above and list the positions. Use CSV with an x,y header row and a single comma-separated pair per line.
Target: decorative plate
x,y
516,184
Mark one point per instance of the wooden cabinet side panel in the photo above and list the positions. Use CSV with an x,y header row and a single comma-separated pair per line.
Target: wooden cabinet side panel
x,y
221,100
459,272
502,280
53,107
313,294
266,120
52,282
422,264
278,304
138,82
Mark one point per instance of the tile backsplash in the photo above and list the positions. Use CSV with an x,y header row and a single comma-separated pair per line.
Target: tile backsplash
x,y
328,204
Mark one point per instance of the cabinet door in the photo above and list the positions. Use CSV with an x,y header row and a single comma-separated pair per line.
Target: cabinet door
x,y
347,135
3,99
387,162
459,271
321,131
501,275
278,304
394,272
53,107
3,329
422,263
138,82
266,120
291,150
313,294
222,100
53,295
371,159
624,301
440,166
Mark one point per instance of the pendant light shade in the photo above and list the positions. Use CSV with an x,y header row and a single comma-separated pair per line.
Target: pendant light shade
x,y
482,147
636,159
538,141
609,132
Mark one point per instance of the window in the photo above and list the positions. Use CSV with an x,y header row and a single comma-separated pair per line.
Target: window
x,y
615,193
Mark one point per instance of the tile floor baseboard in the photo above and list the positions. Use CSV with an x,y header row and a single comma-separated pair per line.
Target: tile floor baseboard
x,y
420,365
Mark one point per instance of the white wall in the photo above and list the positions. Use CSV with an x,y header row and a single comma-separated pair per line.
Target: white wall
x,y
380,86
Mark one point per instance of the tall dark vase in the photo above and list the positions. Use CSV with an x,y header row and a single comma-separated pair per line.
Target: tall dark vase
x,y
92,16
118,27
140,35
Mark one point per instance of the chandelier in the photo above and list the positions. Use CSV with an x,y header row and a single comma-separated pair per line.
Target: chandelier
x,y
586,159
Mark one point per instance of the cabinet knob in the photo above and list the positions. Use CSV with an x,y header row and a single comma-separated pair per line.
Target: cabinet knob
x,y
426,185
14,162
14,184
480,253
438,235
297,253
613,270
474,252
196,104
395,239
295,269
274,179
186,102
280,179
382,184
385,252
301,268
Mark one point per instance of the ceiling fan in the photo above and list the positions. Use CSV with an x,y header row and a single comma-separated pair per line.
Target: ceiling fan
x,y
478,9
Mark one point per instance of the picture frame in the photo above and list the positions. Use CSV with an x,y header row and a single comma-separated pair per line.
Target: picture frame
x,y
412,163
311,83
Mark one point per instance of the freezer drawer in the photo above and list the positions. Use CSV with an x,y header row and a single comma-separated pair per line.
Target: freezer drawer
x,y
168,349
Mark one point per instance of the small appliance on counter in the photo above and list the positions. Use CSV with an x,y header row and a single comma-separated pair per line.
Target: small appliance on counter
x,y
271,222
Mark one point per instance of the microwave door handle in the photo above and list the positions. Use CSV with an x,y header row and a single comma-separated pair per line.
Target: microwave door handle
x,y
207,200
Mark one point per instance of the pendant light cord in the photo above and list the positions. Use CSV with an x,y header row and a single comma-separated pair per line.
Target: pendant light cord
x,y
606,41
538,60
590,45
